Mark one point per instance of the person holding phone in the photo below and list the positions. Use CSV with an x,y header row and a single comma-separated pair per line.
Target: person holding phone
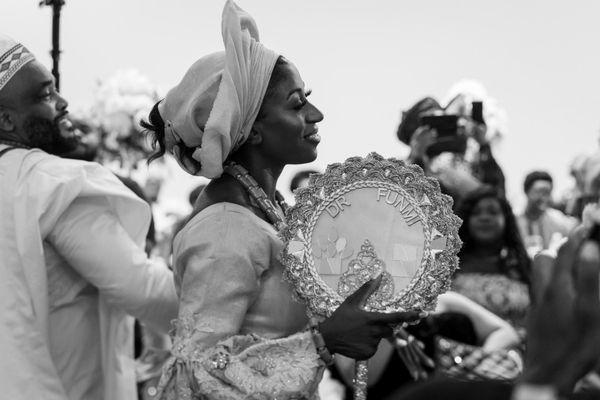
x,y
438,139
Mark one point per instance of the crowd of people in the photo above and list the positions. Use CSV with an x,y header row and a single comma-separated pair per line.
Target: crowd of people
x,y
108,295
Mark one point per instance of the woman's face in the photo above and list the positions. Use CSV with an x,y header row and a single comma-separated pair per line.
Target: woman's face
x,y
288,129
487,221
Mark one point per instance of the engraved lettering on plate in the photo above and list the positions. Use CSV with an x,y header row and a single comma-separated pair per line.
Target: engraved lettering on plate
x,y
337,206
333,210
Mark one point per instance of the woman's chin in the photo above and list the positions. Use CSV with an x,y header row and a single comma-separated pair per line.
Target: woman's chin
x,y
487,240
306,158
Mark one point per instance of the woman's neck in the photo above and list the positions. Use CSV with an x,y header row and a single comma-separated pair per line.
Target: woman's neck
x,y
533,212
486,249
264,173
483,259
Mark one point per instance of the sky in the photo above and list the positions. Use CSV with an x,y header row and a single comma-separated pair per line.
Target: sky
x,y
364,60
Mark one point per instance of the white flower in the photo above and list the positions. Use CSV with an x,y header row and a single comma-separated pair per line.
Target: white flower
x,y
464,92
126,91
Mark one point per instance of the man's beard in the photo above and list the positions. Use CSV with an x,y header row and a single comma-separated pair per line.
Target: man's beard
x,y
45,134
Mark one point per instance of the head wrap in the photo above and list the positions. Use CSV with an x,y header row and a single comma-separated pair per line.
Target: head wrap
x,y
13,56
214,107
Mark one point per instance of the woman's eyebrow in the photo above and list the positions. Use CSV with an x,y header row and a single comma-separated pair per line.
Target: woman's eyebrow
x,y
301,90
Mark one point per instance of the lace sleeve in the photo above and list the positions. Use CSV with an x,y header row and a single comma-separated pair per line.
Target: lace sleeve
x,y
245,366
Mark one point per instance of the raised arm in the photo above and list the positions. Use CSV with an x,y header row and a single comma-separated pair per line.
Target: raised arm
x,y
492,331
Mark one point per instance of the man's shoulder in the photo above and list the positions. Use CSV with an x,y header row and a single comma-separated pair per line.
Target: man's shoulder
x,y
51,164
43,173
41,164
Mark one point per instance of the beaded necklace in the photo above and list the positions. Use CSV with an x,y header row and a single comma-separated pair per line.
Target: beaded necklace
x,y
257,194
13,143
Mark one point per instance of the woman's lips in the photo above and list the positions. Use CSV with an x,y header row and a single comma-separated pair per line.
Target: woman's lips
x,y
314,136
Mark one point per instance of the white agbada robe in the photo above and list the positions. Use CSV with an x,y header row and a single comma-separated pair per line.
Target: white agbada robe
x,y
73,273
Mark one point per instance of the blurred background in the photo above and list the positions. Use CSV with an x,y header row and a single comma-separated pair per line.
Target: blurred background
x,y
365,61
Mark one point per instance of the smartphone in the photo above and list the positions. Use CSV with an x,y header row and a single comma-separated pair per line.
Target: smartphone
x,y
448,139
445,125
477,112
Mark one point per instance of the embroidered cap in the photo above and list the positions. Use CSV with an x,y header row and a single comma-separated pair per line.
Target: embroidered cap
x,y
13,56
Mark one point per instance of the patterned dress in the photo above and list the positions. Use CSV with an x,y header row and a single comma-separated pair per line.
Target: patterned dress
x,y
239,334
506,297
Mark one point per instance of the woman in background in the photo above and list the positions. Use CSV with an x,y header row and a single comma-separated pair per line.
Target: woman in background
x,y
495,270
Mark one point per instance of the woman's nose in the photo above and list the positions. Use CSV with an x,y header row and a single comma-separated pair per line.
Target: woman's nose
x,y
314,114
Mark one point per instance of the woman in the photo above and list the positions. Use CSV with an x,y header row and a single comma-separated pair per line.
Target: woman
x,y
495,270
240,334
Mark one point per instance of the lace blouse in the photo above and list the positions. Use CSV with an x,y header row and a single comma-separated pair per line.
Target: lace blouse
x,y
239,333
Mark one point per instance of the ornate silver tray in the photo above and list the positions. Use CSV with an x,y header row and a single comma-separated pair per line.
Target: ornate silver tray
x,y
365,217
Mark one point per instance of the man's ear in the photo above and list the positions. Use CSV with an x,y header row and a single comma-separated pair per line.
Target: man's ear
x,y
7,121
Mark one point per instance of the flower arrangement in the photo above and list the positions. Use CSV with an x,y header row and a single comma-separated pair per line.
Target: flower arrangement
x,y
120,102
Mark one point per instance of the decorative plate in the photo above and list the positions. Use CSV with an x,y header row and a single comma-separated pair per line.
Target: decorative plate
x,y
365,217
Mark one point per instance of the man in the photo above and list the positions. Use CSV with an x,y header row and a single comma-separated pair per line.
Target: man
x,y
73,269
541,227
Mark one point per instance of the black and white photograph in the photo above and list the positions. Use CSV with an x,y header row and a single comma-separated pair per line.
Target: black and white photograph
x,y
299,200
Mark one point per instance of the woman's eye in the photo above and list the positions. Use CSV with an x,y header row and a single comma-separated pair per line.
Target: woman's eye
x,y
300,104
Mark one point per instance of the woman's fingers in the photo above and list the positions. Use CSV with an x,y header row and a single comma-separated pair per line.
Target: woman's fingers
x,y
417,356
397,318
362,294
419,346
408,362
419,371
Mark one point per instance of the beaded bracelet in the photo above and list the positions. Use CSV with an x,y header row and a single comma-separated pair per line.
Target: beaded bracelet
x,y
322,350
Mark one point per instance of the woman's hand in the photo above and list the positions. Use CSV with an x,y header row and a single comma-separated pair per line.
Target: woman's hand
x,y
354,332
411,351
